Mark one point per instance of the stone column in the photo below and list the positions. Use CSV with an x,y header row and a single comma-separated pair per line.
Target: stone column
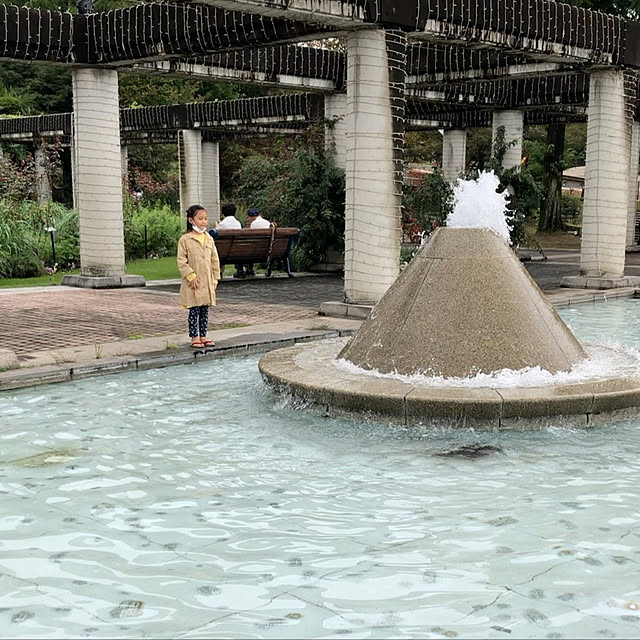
x,y
606,185
98,180
190,161
376,77
633,184
454,153
43,184
513,123
336,127
211,180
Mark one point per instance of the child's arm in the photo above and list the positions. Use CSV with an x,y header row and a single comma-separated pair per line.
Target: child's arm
x,y
183,262
184,267
215,263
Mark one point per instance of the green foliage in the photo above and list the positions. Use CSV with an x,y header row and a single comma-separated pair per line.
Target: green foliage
x,y
25,245
428,203
424,147
16,102
305,190
41,88
520,183
163,226
478,148
139,90
571,207
67,238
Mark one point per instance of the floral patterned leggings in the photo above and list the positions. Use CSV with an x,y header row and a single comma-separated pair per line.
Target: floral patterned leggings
x,y
198,319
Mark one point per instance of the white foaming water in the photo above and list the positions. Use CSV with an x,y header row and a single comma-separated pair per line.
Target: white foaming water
x,y
478,205
604,361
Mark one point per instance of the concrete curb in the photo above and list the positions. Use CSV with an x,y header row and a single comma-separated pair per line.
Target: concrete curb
x,y
305,372
22,378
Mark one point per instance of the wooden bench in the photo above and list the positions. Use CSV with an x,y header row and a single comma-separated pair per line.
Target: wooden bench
x,y
249,246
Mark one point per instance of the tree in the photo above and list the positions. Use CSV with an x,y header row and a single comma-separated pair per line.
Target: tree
x,y
550,218
479,148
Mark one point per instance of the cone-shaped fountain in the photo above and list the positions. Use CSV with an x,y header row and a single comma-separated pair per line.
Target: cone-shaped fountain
x,y
462,318
464,305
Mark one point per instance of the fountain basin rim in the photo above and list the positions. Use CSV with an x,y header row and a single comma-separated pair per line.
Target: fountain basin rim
x,y
340,392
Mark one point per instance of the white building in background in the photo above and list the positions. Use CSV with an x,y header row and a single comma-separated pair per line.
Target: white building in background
x,y
573,182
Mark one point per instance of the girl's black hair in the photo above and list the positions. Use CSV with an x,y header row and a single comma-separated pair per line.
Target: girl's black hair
x,y
191,211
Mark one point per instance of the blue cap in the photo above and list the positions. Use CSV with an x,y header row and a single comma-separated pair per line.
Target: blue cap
x,y
254,211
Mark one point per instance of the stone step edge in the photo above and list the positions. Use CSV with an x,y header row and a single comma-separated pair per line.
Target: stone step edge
x,y
25,378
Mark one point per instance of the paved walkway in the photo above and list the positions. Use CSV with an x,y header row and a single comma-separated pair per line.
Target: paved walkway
x,y
51,318
49,325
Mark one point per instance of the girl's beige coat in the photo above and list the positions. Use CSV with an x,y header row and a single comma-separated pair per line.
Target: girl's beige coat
x,y
204,262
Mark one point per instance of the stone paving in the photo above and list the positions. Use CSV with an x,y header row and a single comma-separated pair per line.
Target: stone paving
x,y
50,318
62,317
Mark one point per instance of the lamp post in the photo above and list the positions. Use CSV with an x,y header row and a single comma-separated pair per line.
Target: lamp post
x,y
51,231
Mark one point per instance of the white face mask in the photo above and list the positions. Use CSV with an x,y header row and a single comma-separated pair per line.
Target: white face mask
x,y
197,229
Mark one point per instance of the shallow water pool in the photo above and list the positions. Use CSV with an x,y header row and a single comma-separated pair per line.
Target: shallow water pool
x,y
191,502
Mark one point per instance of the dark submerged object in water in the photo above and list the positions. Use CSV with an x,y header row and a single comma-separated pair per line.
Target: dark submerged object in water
x,y
471,451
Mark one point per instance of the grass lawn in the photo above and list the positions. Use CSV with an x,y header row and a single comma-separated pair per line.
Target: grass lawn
x,y
160,269
549,239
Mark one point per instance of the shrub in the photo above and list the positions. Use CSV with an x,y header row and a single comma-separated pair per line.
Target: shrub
x,y
428,203
25,245
571,207
164,227
156,192
306,191
521,184
18,249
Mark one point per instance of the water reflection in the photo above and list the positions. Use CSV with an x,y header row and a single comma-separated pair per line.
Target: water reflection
x,y
130,510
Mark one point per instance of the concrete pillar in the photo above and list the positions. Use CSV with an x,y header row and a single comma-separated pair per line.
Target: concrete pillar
x,y
513,123
43,184
376,76
606,185
335,132
98,180
124,165
190,161
211,180
454,153
633,183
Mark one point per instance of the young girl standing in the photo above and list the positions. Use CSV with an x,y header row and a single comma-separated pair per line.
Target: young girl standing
x,y
200,270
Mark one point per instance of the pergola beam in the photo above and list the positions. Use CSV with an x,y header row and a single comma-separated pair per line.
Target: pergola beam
x,y
424,116
342,14
155,31
558,31
294,66
160,31
287,111
506,93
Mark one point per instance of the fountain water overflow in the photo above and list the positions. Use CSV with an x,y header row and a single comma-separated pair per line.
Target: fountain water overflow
x,y
462,318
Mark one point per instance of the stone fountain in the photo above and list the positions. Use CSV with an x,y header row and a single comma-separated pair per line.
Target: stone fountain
x,y
463,309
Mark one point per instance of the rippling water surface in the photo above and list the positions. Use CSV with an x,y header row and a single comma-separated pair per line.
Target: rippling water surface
x,y
191,502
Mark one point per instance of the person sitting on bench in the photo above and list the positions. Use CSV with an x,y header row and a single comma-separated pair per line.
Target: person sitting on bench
x,y
229,221
254,221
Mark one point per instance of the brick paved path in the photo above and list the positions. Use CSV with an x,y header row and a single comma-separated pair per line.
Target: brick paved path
x,y
59,318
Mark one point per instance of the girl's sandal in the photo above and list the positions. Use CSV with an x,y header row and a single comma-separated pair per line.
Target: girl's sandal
x,y
197,344
208,343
